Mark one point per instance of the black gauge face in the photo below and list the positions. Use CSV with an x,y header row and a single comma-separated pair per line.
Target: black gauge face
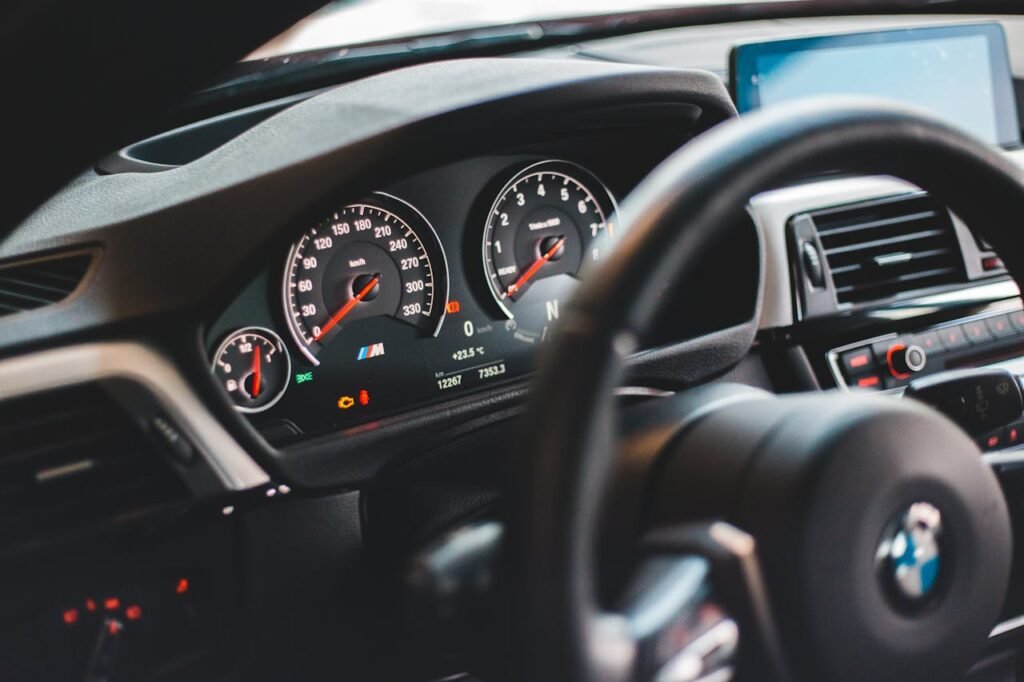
x,y
372,259
253,367
547,222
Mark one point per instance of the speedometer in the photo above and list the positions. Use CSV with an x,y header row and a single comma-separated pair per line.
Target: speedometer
x,y
375,258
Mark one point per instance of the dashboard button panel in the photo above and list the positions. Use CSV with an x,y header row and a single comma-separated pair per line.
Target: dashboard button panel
x,y
991,339
895,359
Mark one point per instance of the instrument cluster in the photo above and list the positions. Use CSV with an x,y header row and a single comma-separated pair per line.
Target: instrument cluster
x,y
431,288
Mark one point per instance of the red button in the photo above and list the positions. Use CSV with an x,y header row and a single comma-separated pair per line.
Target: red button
x,y
869,382
992,263
1000,325
857,362
977,331
929,341
952,338
1012,435
993,441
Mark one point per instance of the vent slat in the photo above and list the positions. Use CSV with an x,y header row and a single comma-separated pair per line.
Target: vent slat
x,y
42,454
873,224
885,249
51,286
37,283
71,459
24,300
899,280
913,236
912,256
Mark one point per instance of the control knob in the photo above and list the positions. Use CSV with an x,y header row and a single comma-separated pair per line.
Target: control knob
x,y
904,360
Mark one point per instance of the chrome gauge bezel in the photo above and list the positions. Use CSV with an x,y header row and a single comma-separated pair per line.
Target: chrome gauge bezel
x,y
581,176
439,271
271,335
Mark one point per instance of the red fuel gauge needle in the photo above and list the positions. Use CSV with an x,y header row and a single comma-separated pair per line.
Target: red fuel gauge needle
x,y
256,372
347,308
535,268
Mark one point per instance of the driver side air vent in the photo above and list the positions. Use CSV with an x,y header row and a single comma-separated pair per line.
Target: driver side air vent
x,y
30,284
884,249
72,458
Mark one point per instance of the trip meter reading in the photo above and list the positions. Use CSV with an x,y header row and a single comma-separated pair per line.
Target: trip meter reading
x,y
546,223
375,258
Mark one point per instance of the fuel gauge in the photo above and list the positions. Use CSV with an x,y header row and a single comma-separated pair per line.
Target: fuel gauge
x,y
253,367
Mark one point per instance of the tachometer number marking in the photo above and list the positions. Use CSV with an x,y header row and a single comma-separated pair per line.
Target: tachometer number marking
x,y
545,224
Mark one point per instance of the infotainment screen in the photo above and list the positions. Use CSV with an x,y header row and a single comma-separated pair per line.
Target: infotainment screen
x,y
959,72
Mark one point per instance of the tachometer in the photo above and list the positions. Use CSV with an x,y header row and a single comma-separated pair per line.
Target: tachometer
x,y
373,258
546,222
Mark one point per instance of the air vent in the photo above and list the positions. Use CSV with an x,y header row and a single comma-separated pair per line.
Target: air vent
x,y
31,284
72,458
884,249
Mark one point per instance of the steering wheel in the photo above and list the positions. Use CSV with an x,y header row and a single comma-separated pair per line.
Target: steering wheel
x,y
816,537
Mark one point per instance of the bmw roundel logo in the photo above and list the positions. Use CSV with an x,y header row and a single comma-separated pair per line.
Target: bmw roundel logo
x,y
910,553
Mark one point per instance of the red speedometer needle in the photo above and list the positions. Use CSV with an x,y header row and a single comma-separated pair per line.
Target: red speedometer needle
x,y
255,372
533,269
347,308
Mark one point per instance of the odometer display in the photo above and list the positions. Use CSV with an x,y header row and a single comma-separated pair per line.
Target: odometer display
x,y
375,258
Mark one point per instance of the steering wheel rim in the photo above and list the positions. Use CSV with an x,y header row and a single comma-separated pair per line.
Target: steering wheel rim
x,y
670,219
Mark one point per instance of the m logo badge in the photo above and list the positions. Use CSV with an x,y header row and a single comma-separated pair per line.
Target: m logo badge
x,y
374,350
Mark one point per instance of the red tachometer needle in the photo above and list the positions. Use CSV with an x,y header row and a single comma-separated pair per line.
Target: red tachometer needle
x,y
255,372
533,269
347,308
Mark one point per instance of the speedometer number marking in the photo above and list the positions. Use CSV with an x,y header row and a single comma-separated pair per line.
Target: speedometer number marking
x,y
375,258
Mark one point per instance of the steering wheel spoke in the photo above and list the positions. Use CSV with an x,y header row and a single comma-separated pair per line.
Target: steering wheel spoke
x,y
697,586
679,631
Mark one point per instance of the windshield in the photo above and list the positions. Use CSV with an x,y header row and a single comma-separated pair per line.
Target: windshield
x,y
348,22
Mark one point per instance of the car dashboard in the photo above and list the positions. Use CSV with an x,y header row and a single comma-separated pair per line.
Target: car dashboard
x,y
317,319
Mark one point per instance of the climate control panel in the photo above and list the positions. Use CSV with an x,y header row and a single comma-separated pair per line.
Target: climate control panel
x,y
889,363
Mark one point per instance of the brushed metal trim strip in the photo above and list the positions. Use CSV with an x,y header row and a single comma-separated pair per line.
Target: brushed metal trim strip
x,y
1007,626
51,369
